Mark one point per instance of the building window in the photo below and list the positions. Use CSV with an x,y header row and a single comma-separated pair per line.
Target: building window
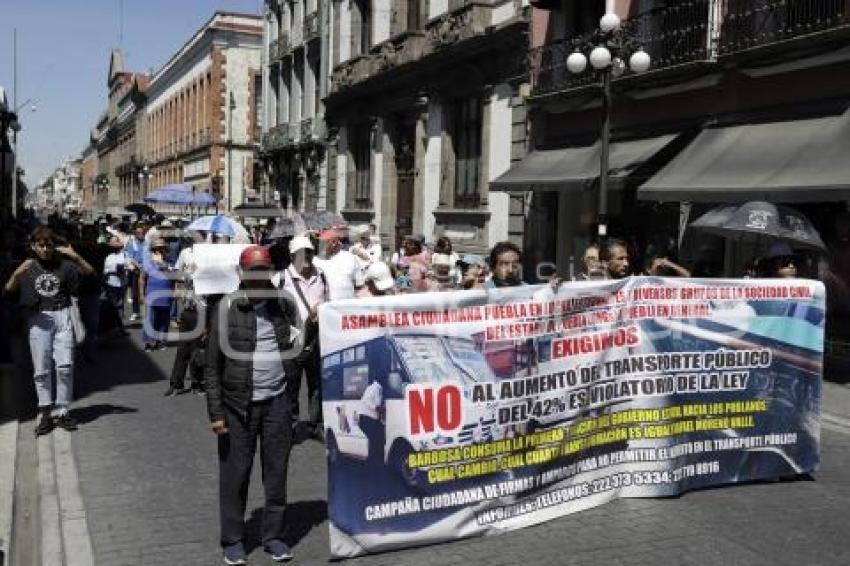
x,y
258,105
466,138
362,153
361,23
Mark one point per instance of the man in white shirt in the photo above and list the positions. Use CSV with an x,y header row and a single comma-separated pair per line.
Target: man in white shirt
x,y
114,274
366,250
341,267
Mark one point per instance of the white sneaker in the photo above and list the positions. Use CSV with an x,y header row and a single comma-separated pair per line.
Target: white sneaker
x,y
134,316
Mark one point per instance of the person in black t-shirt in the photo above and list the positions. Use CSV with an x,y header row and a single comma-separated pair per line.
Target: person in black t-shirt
x,y
46,285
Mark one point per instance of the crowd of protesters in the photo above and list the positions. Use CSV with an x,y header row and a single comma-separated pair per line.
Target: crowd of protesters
x,y
111,273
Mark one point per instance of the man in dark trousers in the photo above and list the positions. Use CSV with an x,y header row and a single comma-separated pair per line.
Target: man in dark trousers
x,y
246,393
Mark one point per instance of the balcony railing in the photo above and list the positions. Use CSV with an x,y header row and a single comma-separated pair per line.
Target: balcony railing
x,y
685,33
672,35
749,24
468,21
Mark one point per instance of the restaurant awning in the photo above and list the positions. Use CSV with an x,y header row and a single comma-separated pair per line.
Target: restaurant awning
x,y
792,161
574,168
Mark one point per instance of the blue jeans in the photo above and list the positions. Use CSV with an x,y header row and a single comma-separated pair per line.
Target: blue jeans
x,y
51,335
157,320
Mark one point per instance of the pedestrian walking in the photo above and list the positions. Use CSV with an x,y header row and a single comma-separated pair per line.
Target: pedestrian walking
x,y
247,401
158,296
340,266
310,288
47,284
114,278
192,327
135,250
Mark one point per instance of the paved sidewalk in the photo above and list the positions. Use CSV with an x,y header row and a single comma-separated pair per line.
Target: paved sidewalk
x,y
147,480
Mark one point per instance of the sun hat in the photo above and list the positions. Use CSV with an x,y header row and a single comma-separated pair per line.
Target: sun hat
x,y
300,243
380,275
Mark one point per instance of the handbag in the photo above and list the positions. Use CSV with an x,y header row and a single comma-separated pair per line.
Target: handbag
x,y
77,322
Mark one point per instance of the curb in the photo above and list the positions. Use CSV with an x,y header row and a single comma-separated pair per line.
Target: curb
x,y
8,463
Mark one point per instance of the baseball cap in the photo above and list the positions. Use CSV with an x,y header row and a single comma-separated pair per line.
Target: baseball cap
x,y
255,256
330,234
300,243
159,243
441,259
380,275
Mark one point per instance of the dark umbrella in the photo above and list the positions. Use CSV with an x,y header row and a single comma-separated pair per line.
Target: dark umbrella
x,y
760,222
323,220
140,209
284,228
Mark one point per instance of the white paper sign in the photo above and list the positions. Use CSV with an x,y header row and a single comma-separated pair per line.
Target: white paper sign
x,y
216,271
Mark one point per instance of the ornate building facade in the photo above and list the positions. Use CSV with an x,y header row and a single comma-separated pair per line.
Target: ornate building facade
x,y
426,110
200,120
296,79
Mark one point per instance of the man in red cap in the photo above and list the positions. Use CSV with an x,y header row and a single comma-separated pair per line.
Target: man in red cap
x,y
248,344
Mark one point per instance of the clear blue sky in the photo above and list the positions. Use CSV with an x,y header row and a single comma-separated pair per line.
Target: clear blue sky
x,y
63,58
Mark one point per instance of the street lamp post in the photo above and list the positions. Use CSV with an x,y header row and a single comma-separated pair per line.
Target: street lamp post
x,y
144,180
610,48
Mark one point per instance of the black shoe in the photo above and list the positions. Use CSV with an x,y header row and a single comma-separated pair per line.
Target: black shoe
x,y
160,346
66,422
45,426
148,347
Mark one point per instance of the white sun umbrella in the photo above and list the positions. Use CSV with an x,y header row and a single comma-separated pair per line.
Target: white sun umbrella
x,y
223,225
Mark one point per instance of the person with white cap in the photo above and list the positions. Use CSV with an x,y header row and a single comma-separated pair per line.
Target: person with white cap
x,y
366,250
379,281
309,285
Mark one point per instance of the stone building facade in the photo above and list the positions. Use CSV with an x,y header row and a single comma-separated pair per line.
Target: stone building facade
x,y
200,121
423,111
296,79
113,139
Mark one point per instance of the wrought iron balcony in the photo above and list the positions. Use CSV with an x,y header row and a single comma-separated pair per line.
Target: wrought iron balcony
x,y
671,35
274,47
312,28
754,23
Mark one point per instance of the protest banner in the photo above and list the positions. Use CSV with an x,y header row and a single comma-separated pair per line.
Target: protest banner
x,y
456,414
